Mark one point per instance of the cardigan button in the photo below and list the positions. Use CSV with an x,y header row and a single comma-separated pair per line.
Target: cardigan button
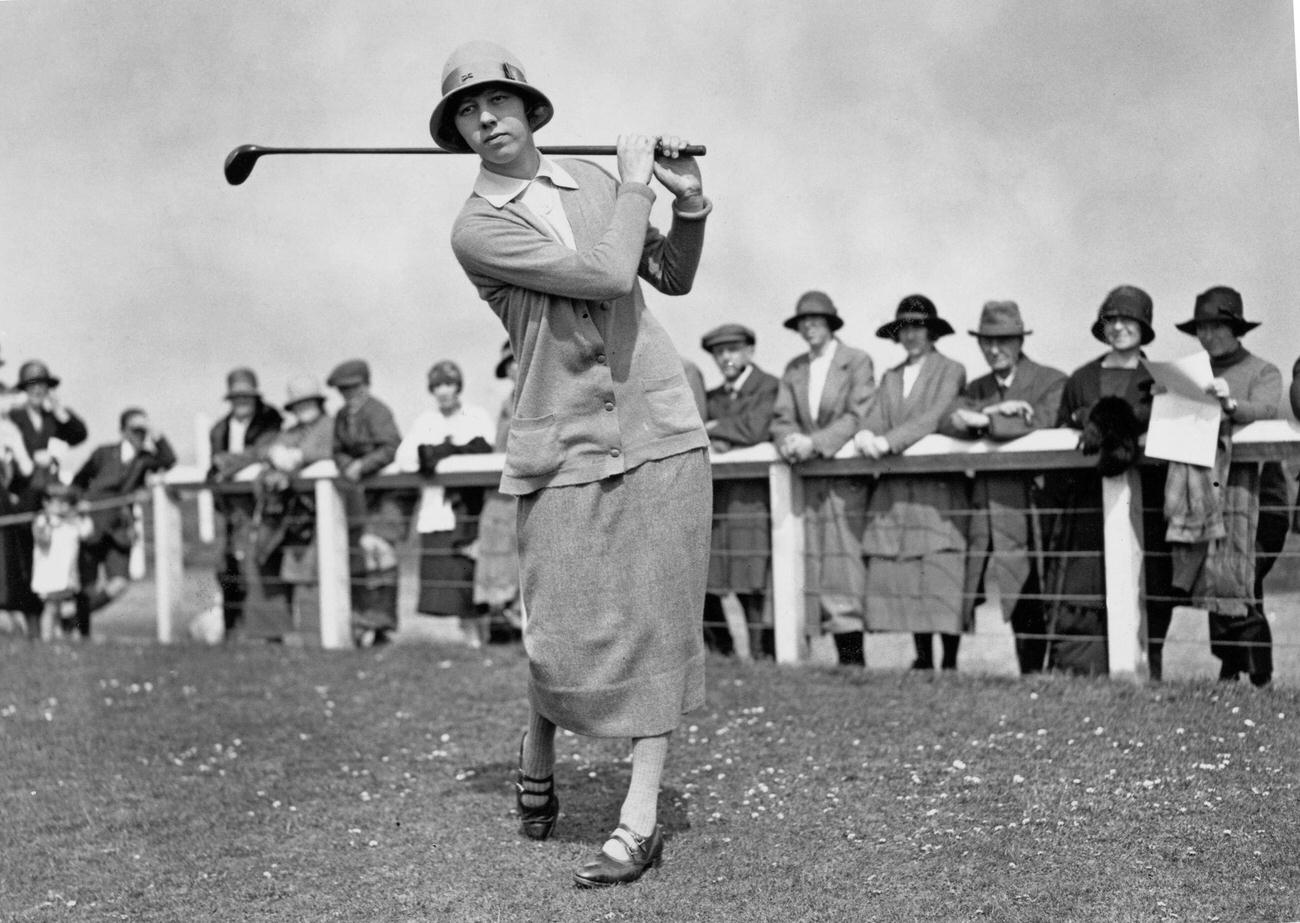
x,y
614,453
601,358
609,405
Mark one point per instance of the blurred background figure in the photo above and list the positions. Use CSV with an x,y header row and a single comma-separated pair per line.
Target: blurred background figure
x,y
447,520
116,469
496,567
738,414
238,441
915,540
57,532
823,399
365,441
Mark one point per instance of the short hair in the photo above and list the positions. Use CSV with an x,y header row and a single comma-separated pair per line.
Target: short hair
x,y
128,414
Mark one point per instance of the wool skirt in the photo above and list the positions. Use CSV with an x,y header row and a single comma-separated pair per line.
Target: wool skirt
x,y
613,576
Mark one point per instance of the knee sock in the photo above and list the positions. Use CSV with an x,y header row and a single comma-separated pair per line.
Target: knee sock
x,y
538,759
950,645
641,806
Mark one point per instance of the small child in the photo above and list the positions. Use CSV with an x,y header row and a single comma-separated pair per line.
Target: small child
x,y
58,530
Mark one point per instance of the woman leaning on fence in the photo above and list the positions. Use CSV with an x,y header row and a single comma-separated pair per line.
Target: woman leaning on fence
x,y
1215,517
915,538
1109,399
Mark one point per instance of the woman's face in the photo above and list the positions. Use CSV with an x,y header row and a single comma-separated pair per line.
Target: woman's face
x,y
1123,334
446,394
816,331
494,123
916,340
307,411
1217,338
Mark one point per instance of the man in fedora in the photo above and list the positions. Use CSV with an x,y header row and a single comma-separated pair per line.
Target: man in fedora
x,y
1016,396
738,413
238,440
822,401
1231,587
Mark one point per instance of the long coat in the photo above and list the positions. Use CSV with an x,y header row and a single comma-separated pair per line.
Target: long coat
x,y
742,542
835,507
1001,535
915,539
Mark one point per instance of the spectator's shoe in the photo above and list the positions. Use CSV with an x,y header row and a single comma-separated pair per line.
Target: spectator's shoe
x,y
604,870
537,822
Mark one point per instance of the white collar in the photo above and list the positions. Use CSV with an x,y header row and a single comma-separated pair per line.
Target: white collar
x,y
499,190
740,379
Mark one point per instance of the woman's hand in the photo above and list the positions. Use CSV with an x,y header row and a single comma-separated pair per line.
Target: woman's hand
x,y
679,175
636,158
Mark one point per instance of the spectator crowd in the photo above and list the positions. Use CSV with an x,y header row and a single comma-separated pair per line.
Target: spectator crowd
x,y
915,553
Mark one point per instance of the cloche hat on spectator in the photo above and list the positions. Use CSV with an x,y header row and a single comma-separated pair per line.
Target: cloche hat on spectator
x,y
815,304
728,333
475,64
349,373
302,389
242,382
1000,319
445,372
915,311
33,372
503,363
1220,304
1126,301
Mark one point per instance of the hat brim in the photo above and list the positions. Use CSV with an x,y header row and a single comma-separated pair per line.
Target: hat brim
x,y
834,321
1000,333
231,395
1099,329
1238,325
319,398
442,124
937,326
49,380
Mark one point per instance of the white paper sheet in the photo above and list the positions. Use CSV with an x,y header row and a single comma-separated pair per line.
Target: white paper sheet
x,y
1184,419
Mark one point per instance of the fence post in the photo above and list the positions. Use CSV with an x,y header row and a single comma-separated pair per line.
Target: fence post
x,y
203,460
332,567
168,560
1121,504
788,566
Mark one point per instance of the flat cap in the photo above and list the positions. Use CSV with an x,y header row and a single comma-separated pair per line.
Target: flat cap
x,y
728,333
351,372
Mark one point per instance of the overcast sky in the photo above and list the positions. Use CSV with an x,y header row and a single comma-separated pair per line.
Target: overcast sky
x,y
970,150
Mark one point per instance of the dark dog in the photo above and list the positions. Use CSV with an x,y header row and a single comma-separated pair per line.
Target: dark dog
x,y
1111,434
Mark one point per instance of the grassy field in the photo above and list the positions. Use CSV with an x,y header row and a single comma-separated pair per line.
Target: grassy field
x,y
257,782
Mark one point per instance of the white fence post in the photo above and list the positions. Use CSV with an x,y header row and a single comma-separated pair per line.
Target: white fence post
x,y
788,566
203,461
169,560
332,567
1121,504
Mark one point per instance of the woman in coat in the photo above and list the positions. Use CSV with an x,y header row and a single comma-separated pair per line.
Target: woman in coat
x,y
1074,573
606,452
915,539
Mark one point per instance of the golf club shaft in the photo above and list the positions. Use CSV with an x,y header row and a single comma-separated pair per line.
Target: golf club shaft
x,y
240,161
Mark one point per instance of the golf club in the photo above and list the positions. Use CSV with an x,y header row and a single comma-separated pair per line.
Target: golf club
x,y
240,161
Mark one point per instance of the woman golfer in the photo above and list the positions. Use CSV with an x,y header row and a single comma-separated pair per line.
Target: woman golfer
x,y
606,450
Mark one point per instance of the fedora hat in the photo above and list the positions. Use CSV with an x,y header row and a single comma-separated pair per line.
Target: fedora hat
x,y
507,357
1126,301
349,373
475,64
301,389
1221,304
34,372
1000,319
727,333
242,382
815,304
915,311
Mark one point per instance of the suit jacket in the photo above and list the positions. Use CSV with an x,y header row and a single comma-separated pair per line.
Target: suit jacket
x,y
262,429
104,474
746,419
37,436
850,386
1038,385
903,421
370,433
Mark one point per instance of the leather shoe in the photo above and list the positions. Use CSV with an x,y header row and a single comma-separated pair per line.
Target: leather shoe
x,y
535,822
604,870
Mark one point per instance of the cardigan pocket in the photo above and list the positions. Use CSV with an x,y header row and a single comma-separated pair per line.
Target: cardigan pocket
x,y
532,447
672,405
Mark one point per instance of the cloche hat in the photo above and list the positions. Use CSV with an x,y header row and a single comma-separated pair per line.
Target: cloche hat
x,y
1126,301
474,64
301,389
33,372
242,382
1220,304
815,304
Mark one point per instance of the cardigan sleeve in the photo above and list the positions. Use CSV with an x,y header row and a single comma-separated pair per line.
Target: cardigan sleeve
x,y
1261,400
499,245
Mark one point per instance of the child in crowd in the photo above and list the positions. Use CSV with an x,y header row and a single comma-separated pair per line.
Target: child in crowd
x,y
58,530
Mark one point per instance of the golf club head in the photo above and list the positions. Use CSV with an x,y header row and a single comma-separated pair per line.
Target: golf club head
x,y
240,163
